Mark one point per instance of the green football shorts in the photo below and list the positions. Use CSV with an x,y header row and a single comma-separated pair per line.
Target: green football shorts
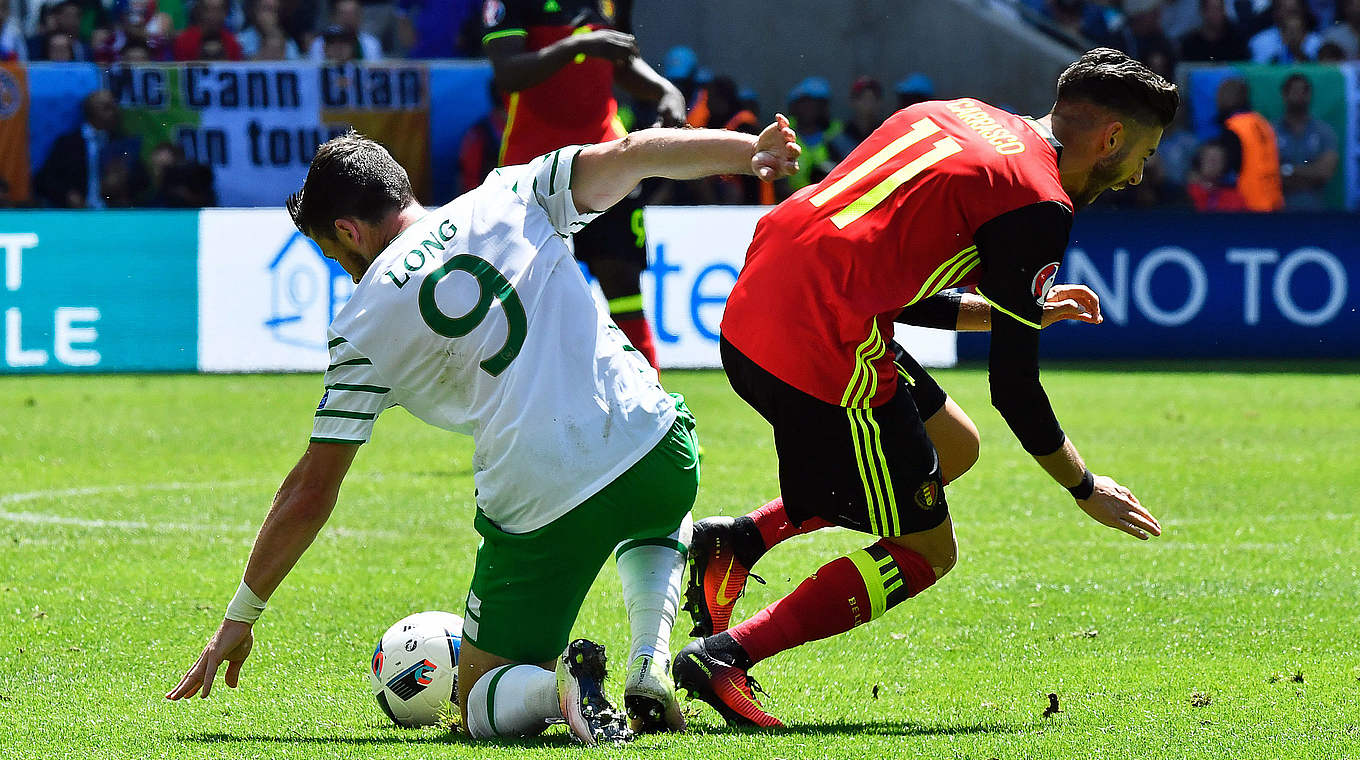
x,y
528,587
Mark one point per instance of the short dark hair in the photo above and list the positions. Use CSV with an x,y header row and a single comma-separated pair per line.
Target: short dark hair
x,y
351,176
1108,78
1296,77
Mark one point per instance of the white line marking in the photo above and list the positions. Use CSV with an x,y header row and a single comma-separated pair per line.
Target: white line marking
x,y
43,518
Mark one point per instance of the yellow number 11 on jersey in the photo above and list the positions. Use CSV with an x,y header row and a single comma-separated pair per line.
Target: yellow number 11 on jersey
x,y
941,149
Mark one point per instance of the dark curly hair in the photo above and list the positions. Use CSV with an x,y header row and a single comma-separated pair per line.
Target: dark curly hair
x,y
353,177
1110,79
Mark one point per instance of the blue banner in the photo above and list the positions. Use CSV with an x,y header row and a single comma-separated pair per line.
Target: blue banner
x,y
99,291
1193,286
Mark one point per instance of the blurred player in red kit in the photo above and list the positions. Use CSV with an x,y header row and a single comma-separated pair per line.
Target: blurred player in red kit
x,y
559,60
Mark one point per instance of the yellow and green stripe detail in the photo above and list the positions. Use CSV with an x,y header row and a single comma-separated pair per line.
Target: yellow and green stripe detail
x,y
873,581
951,272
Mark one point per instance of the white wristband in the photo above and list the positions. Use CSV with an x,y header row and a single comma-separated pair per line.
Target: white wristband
x,y
245,607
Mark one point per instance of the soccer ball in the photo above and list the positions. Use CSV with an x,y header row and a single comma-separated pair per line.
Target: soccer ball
x,y
414,673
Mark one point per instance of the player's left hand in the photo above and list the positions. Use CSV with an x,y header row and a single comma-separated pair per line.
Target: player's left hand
x,y
777,151
232,643
1076,302
1114,505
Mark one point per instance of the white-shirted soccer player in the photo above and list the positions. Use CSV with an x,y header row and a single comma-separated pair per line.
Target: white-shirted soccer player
x,y
476,319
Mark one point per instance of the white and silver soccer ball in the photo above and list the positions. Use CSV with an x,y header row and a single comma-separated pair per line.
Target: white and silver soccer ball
x,y
414,672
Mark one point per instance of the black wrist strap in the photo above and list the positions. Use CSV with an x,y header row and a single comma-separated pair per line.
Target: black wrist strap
x,y
1083,490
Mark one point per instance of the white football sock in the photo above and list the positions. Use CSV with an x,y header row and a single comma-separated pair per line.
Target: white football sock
x,y
512,700
652,572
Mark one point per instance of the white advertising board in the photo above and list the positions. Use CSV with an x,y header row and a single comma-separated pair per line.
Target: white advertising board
x,y
266,294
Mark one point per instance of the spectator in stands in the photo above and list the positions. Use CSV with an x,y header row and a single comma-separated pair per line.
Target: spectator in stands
x,y
13,47
680,66
438,28
209,25
866,113
1069,16
1180,17
916,88
1210,186
1251,145
143,25
1174,157
1290,39
60,48
1250,16
1143,35
339,45
1217,39
178,182
1330,52
1160,56
1308,148
58,38
263,18
211,48
275,46
348,15
726,112
1345,33
300,19
78,171
134,52
810,115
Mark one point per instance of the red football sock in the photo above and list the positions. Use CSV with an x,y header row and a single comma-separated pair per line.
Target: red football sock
x,y
774,526
835,599
639,334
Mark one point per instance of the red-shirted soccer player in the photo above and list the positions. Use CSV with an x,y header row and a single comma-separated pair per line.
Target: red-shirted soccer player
x,y
945,194
560,60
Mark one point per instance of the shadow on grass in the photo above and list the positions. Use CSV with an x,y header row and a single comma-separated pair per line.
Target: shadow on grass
x,y
414,738
876,728
1326,366
856,728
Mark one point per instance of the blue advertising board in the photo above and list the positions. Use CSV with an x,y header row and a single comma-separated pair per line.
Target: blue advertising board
x,y
1179,285
99,291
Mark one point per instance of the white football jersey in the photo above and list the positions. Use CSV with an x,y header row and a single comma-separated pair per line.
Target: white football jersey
x,y
477,319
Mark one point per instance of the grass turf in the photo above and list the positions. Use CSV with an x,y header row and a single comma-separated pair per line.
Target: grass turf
x,y
128,505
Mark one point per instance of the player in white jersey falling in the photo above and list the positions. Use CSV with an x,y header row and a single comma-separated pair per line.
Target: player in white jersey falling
x,y
476,319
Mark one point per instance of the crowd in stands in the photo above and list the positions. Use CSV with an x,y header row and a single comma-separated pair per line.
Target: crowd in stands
x,y
97,165
134,31
1162,32
1252,164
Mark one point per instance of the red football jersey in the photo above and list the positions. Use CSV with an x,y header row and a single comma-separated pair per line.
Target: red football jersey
x,y
894,223
575,105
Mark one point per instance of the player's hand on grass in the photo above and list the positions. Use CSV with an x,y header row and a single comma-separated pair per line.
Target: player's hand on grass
x,y
605,43
1075,302
232,643
1114,505
777,151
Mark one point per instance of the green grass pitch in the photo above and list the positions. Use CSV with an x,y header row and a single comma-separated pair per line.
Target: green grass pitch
x,y
128,505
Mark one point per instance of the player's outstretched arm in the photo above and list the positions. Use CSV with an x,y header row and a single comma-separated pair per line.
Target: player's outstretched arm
x,y
969,312
604,174
301,507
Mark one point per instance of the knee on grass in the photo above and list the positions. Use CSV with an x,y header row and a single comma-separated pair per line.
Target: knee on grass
x,y
511,701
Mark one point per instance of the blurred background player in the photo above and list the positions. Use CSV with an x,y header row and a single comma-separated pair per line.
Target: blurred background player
x,y
946,194
559,61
